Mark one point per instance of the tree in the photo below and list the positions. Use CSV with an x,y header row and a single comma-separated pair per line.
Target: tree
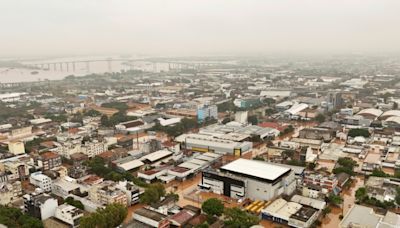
x,y
203,225
236,218
174,196
397,197
75,203
153,194
57,117
346,165
121,106
361,194
379,173
160,189
13,217
311,166
320,118
347,162
213,207
334,199
114,176
188,124
253,120
259,158
358,132
395,106
110,216
385,96
287,154
226,120
150,196
269,111
288,130
92,113
226,106
326,211
105,121
97,166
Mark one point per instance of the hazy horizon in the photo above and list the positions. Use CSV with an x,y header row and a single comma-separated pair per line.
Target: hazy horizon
x,y
204,27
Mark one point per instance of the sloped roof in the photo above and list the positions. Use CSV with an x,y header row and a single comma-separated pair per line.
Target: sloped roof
x,y
370,111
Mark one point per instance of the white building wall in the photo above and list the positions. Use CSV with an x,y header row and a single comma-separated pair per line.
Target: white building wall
x,y
66,216
16,148
258,190
216,186
48,209
42,181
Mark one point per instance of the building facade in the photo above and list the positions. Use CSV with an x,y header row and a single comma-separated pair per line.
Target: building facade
x,y
207,112
252,179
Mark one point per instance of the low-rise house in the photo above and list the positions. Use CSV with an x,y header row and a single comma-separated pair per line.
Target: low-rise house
x,y
151,218
299,212
312,191
314,144
382,188
18,168
69,214
64,187
181,218
342,178
327,182
9,192
371,162
362,216
41,206
107,193
317,133
132,191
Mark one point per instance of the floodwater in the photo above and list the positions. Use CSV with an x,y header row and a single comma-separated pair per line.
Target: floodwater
x,y
51,69
332,220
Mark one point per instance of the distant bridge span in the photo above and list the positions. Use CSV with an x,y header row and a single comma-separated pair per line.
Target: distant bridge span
x,y
67,65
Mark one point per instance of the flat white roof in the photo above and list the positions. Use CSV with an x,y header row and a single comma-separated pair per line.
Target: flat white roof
x,y
205,158
255,168
198,162
131,165
314,203
156,155
282,209
189,165
213,155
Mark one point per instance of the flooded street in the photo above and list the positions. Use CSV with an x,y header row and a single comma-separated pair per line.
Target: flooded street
x,y
332,220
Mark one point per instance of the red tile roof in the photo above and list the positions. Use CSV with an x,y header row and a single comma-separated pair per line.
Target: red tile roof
x,y
182,217
269,124
49,155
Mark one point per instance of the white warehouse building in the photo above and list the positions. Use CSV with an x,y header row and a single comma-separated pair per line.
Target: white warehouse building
x,y
207,143
256,180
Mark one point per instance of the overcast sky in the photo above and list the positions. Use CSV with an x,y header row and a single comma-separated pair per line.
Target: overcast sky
x,y
197,27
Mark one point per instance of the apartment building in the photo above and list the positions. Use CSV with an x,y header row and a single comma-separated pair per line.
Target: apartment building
x,y
41,181
326,182
49,160
41,206
69,214
106,193
94,148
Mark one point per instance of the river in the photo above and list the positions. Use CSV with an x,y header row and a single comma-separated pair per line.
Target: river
x,y
52,70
